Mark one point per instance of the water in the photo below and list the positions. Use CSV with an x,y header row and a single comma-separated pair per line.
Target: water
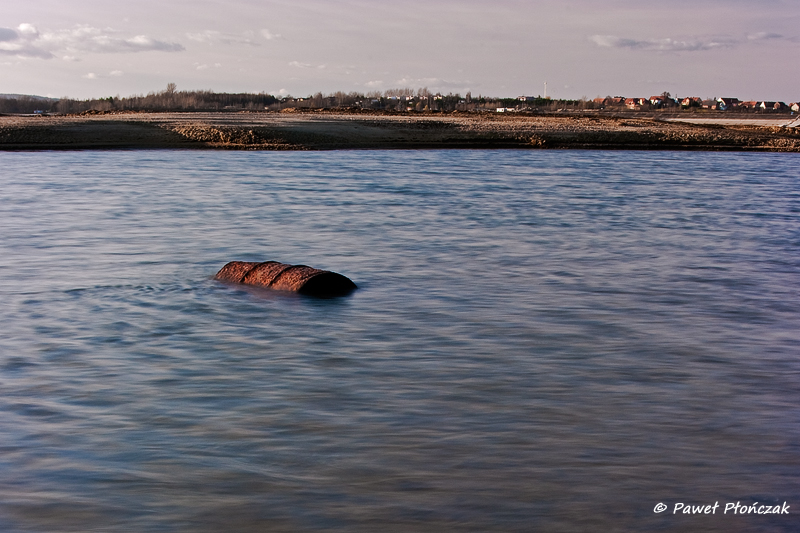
x,y
542,341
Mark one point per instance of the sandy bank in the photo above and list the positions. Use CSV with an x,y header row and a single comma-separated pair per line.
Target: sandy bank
x,y
329,131
766,122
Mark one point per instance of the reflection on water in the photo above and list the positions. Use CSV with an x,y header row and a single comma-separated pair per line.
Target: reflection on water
x,y
551,341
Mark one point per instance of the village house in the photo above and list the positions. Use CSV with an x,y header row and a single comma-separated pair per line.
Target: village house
x,y
772,106
795,106
725,104
662,101
636,104
692,101
610,101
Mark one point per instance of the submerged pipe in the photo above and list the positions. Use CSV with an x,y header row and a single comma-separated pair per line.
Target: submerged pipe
x,y
282,277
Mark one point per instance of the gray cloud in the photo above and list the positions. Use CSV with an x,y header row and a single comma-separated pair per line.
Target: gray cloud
x,y
7,34
89,39
664,45
764,36
20,42
27,41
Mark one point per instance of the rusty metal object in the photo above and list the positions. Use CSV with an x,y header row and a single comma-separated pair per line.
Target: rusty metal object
x,y
280,276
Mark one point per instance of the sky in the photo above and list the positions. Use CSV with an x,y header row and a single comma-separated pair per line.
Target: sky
x,y
579,48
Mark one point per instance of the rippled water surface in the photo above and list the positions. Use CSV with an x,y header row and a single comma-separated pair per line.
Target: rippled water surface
x,y
541,341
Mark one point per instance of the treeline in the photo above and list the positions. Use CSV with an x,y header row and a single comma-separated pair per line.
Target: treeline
x,y
422,100
392,100
24,104
167,100
170,100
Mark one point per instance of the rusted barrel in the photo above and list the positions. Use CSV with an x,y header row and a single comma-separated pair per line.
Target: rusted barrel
x,y
283,277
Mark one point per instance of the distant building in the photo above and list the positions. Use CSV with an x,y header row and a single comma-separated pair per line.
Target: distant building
x,y
692,101
772,106
726,104
661,101
610,101
795,106
635,104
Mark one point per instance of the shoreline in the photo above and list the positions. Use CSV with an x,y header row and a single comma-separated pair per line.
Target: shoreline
x,y
310,130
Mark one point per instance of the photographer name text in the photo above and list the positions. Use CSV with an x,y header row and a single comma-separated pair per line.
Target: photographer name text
x,y
733,508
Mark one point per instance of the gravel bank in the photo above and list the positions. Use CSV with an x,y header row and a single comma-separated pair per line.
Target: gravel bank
x,y
331,131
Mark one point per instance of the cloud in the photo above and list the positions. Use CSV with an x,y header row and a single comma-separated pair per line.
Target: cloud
x,y
95,76
268,35
298,64
142,43
23,50
664,45
28,31
7,34
22,42
216,37
764,36
208,36
28,41
94,40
